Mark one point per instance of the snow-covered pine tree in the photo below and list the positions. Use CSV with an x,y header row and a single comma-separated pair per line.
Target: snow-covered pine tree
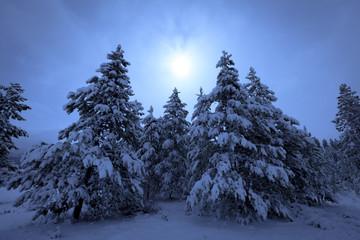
x,y
332,167
310,162
46,183
318,188
107,134
305,159
270,155
11,105
347,122
98,167
244,179
149,154
340,172
172,167
200,145
259,91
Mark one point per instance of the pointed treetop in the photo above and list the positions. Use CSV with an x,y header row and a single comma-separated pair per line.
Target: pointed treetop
x,y
150,117
257,88
117,66
202,105
228,74
174,97
118,54
252,76
348,115
225,60
148,120
174,106
201,93
346,90
151,110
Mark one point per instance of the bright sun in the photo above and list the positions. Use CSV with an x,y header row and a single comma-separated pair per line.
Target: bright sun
x,y
180,66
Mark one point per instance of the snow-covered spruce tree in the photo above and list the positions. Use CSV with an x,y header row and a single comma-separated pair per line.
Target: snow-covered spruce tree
x,y
174,142
97,167
318,188
340,172
329,165
331,170
309,167
107,134
245,178
149,154
334,167
264,134
49,183
305,159
259,91
347,122
200,144
11,105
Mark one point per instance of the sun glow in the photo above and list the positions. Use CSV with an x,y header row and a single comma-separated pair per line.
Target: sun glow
x,y
180,66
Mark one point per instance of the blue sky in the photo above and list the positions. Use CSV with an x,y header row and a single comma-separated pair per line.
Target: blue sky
x,y
303,50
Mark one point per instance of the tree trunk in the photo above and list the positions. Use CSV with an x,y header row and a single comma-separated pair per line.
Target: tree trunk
x,y
77,209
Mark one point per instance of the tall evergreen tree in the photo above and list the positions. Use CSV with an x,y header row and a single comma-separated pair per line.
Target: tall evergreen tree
x,y
263,132
318,188
149,154
174,148
111,122
243,180
11,105
273,130
340,173
347,122
99,162
199,141
269,144
305,160
331,169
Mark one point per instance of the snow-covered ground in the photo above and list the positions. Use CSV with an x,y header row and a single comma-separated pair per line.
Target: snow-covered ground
x,y
337,221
